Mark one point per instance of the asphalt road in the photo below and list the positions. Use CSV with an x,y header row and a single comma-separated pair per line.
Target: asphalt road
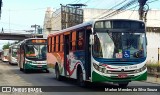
x,y
38,78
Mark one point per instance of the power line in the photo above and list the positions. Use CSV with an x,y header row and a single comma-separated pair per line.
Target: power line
x,y
120,9
25,9
20,25
111,8
78,1
87,1
74,1
132,11
152,1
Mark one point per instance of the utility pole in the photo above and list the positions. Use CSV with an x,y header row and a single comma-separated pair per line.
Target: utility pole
x,y
2,31
35,26
143,10
0,7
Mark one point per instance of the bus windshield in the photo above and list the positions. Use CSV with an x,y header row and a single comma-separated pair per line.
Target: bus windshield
x,y
14,52
119,45
35,52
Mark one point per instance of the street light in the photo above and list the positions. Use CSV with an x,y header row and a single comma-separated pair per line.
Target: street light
x,y
35,26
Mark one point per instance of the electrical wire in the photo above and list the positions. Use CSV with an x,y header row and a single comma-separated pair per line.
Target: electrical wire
x,y
111,8
120,9
152,1
87,1
132,11
78,1
37,9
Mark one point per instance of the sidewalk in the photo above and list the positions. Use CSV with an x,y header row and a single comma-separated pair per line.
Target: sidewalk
x,y
153,79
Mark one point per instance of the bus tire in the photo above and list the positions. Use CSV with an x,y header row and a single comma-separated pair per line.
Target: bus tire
x,y
123,85
20,69
57,73
25,70
80,78
47,71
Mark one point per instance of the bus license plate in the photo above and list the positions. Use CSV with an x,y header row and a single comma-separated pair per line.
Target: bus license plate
x,y
122,75
39,66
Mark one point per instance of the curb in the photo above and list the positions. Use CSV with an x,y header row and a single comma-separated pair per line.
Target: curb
x,y
152,80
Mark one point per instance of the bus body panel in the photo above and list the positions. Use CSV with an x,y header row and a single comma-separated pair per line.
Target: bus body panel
x,y
108,69
111,73
53,58
13,54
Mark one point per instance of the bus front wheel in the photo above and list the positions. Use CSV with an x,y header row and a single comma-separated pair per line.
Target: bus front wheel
x,y
123,84
80,80
25,70
47,71
20,69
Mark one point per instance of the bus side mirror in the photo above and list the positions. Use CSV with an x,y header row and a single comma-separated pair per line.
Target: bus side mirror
x,y
91,42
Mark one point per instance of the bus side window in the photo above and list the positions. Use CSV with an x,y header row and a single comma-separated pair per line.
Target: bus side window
x,y
81,40
73,41
49,44
52,44
57,43
61,43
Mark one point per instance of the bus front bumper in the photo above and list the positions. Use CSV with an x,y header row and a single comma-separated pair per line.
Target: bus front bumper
x,y
36,67
100,78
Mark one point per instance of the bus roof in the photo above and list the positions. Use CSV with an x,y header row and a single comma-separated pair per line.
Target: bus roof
x,y
88,23
73,28
12,45
28,39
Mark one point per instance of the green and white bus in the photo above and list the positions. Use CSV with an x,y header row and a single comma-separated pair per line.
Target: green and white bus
x,y
12,56
32,54
112,50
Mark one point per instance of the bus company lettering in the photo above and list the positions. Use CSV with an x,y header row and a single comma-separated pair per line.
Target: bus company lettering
x,y
34,90
27,89
130,67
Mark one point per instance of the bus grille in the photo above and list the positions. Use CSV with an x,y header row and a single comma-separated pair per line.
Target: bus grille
x,y
120,72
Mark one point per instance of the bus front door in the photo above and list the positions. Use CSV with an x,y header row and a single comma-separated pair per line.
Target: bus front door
x,y
66,53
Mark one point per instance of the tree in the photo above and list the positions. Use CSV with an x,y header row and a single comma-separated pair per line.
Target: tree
x,y
6,46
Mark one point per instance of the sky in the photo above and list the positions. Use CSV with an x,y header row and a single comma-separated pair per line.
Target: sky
x,y
19,15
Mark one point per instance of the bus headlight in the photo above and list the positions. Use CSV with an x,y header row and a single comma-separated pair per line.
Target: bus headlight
x,y
96,66
99,68
141,69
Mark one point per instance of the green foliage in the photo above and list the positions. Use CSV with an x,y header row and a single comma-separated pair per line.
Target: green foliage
x,y
6,46
153,65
